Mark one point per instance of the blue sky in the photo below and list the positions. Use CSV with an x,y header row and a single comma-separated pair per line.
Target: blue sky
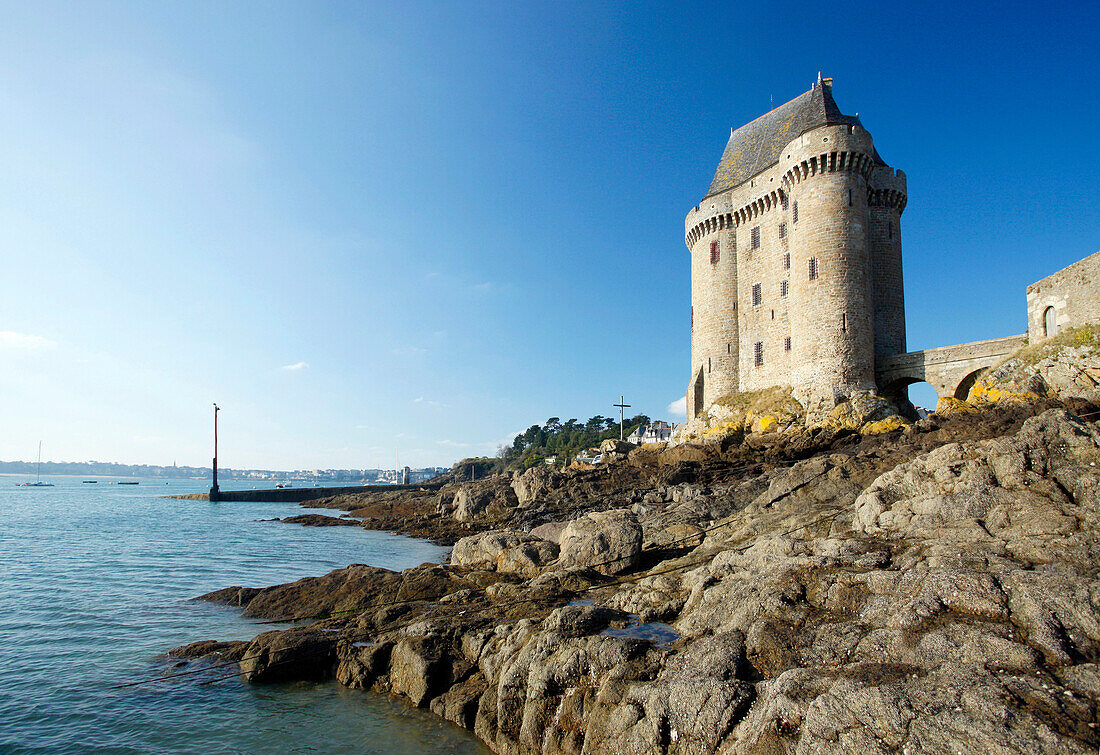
x,y
421,227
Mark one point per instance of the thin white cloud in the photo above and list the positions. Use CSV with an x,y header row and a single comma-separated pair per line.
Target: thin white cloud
x,y
362,427
679,407
295,367
409,351
12,340
483,287
429,402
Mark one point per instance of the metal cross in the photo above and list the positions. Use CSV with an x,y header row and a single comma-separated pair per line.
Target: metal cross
x,y
622,405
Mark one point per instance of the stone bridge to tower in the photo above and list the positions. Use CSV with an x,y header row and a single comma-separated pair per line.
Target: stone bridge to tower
x,y
951,370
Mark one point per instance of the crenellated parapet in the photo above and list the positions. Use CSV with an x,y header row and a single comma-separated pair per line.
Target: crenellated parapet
x,y
891,198
719,222
887,188
754,209
829,162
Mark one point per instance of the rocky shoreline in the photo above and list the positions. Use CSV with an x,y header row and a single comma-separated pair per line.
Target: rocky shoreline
x,y
930,588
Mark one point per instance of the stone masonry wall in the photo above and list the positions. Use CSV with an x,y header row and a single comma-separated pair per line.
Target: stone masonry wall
x,y
832,315
1074,294
714,314
887,197
767,322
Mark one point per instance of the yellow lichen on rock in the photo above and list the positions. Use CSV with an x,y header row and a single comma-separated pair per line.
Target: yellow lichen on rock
x,y
948,406
891,423
858,411
764,423
984,393
724,430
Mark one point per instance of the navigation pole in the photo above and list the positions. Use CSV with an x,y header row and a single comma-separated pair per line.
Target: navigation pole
x,y
214,485
622,405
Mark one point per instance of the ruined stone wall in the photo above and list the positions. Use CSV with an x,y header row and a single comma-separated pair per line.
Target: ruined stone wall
x,y
1072,293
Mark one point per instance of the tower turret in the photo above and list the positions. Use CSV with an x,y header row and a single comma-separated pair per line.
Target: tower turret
x,y
832,320
886,197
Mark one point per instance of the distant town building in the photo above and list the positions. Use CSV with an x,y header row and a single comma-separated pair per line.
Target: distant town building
x,y
654,432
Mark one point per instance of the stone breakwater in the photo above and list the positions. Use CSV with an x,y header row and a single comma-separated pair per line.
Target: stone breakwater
x,y
929,589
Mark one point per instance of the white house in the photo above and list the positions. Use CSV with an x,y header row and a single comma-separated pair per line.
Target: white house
x,y
654,432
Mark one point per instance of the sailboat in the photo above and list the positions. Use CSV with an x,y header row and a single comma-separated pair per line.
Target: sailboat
x,y
38,475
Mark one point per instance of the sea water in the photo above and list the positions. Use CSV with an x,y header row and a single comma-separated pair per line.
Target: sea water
x,y
96,582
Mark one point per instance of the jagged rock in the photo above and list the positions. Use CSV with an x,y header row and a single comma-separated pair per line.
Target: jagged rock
x,y
859,410
459,704
530,484
927,591
319,520
550,531
685,452
361,664
419,669
613,446
580,621
232,596
1067,366
228,651
473,500
293,654
609,542
505,551
646,455
691,707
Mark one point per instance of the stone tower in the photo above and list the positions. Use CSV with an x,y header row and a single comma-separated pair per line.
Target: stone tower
x,y
796,275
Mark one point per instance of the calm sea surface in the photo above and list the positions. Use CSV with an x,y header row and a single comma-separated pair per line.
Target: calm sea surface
x,y
95,582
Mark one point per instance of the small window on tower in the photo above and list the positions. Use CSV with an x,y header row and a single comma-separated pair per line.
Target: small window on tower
x,y
756,237
783,199
758,353
794,212
813,268
714,252
787,261
787,343
782,230
890,230
783,287
849,197
757,296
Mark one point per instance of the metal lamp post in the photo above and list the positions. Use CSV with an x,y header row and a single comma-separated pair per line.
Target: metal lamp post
x,y
214,485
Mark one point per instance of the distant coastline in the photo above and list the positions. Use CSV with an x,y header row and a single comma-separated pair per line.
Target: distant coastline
x,y
112,469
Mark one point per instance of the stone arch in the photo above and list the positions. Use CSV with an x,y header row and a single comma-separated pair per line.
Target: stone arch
x,y
898,392
962,390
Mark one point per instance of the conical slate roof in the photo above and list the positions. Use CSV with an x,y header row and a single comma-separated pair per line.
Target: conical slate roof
x,y
756,145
